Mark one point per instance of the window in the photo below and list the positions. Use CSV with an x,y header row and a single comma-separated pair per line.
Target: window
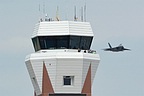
x,y
53,42
36,43
47,42
68,80
82,42
74,42
61,42
85,42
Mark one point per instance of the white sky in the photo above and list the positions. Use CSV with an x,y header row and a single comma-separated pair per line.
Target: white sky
x,y
114,21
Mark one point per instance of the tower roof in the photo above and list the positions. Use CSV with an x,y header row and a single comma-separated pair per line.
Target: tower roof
x,y
58,28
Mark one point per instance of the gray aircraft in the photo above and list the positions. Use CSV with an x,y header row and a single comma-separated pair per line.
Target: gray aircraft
x,y
115,49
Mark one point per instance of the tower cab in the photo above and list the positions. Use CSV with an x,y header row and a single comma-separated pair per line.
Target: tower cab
x,y
62,35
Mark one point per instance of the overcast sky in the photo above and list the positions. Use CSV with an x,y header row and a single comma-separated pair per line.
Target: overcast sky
x,y
114,21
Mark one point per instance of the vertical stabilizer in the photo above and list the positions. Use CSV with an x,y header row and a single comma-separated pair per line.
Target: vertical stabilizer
x,y
109,45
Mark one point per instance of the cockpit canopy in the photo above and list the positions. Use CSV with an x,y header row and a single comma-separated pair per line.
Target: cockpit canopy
x,y
62,42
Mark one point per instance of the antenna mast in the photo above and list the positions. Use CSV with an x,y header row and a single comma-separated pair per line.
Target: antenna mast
x,y
85,12
44,15
75,17
57,17
40,13
82,14
44,8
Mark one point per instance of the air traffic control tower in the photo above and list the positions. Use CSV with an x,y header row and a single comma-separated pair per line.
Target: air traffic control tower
x,y
63,63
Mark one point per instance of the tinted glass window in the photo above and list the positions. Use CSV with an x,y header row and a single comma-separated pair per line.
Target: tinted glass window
x,y
67,80
36,43
85,42
54,42
60,42
74,42
47,42
51,43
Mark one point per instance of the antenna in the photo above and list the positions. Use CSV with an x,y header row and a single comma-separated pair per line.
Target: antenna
x,y
43,7
85,12
42,12
75,17
81,13
57,17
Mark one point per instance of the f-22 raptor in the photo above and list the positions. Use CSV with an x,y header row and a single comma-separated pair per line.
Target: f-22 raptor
x,y
115,49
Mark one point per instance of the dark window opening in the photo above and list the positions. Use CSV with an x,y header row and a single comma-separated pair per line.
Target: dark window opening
x,y
74,42
85,43
67,80
62,42
36,43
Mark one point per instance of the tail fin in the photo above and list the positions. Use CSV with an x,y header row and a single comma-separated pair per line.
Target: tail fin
x,y
109,45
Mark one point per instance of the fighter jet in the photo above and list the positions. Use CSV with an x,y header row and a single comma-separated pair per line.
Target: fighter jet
x,y
115,49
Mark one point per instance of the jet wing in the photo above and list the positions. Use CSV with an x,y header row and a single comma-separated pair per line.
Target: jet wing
x,y
107,49
127,49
